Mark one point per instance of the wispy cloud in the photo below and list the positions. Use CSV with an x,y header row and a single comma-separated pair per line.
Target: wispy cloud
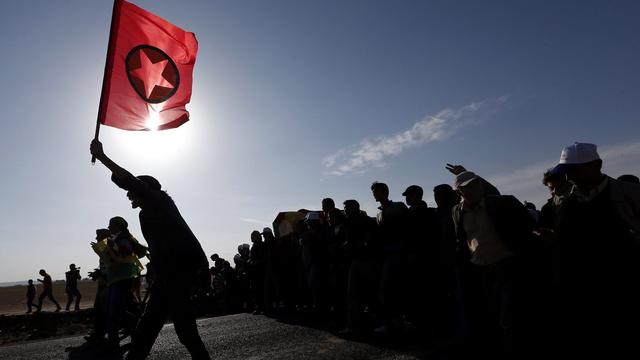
x,y
255,221
526,182
372,152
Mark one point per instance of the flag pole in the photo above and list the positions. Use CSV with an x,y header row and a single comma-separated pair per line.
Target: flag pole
x,y
108,66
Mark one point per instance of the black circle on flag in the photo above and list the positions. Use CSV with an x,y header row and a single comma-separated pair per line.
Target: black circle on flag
x,y
152,73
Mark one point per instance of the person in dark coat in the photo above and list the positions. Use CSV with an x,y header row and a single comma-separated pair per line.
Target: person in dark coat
x,y
179,262
362,250
71,286
596,266
256,269
424,277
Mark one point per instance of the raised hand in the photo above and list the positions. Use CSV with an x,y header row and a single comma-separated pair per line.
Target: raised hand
x,y
455,169
96,148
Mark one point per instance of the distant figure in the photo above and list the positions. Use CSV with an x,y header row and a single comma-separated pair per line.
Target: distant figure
x,y
179,263
31,295
47,290
71,286
629,178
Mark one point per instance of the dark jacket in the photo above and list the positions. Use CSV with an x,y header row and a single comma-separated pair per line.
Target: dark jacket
x,y
361,239
174,249
512,222
423,232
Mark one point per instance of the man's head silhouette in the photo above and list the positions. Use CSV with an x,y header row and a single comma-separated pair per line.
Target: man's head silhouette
x,y
380,191
153,184
256,237
42,272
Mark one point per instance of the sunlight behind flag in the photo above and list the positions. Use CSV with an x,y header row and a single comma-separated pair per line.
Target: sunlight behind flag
x,y
153,120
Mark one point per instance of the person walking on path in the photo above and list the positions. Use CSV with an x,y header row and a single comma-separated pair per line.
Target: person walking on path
x,y
71,286
47,290
179,262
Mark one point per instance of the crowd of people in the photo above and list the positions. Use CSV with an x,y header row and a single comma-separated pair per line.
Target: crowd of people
x,y
494,275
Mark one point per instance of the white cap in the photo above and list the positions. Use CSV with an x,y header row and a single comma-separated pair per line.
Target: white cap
x,y
464,178
579,153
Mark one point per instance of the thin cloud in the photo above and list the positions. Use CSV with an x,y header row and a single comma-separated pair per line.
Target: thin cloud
x,y
372,153
255,221
526,182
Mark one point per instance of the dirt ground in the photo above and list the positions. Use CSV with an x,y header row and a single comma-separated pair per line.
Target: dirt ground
x,y
13,299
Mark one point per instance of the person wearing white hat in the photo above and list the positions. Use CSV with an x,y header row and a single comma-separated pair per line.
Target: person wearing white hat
x,y
597,251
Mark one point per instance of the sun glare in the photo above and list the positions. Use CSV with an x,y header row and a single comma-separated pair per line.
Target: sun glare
x,y
153,122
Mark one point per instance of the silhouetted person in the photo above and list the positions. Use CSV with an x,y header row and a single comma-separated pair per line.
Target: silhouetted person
x,y
47,290
241,261
272,281
492,232
215,258
122,268
71,286
313,245
327,205
257,266
425,285
100,276
339,263
629,178
31,295
392,220
453,311
178,260
361,248
597,267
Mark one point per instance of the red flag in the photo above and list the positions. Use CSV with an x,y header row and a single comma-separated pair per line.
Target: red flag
x,y
148,73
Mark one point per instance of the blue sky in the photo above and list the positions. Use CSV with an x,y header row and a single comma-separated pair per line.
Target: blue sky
x,y
297,100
